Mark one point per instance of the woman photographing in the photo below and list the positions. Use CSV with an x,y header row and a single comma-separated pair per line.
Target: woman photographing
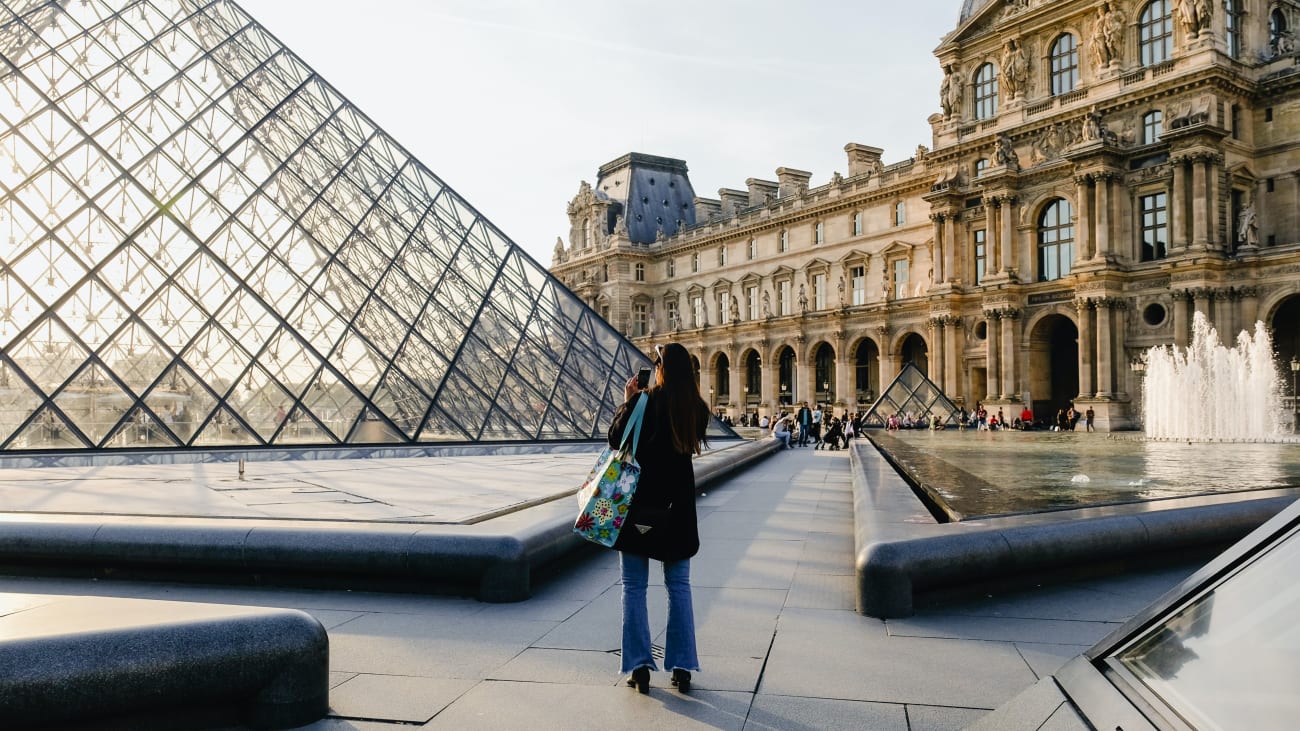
x,y
661,522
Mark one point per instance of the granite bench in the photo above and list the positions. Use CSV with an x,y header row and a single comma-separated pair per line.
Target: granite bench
x,y
94,662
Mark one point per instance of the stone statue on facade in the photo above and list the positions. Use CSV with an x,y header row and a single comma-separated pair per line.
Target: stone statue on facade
x,y
803,299
1108,36
840,287
1091,131
735,309
767,304
1248,226
620,225
1004,153
1015,69
558,256
950,92
1195,15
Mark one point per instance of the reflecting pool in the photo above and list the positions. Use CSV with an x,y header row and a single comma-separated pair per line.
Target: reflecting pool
x,y
978,473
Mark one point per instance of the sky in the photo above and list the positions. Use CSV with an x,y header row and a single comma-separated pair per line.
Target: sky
x,y
514,102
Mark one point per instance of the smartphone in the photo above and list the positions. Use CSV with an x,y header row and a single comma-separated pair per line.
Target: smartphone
x,y
643,379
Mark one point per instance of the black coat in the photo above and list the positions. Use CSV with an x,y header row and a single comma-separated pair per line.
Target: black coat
x,y
665,494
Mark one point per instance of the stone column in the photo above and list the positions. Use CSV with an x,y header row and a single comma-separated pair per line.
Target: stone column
x,y
1007,259
1182,318
767,374
845,392
1104,217
1213,163
1105,349
889,364
1087,342
1200,203
951,326
940,230
992,349
950,249
706,382
1083,231
1010,334
1178,206
805,386
736,382
939,361
1249,307
1202,302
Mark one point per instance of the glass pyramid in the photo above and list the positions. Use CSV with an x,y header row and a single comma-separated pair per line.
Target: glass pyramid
x,y
202,243
911,393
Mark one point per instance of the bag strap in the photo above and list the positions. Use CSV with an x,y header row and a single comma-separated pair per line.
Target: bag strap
x,y
634,424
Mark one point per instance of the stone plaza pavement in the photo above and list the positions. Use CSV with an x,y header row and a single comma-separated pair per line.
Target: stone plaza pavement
x,y
781,646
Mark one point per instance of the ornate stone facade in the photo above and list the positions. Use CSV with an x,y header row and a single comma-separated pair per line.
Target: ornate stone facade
x,y
1100,171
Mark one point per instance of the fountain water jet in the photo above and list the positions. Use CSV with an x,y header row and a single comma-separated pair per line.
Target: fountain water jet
x,y
1209,392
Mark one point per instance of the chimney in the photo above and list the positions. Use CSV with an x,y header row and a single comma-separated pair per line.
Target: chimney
x,y
862,159
761,192
793,182
732,201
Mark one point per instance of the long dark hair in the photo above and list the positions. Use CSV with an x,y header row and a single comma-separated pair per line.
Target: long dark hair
x,y
686,411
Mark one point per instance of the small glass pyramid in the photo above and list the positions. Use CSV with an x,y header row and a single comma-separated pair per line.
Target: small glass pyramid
x,y
911,393
202,243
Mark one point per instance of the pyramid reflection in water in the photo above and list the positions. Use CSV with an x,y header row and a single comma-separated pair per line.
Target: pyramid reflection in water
x,y
911,394
202,243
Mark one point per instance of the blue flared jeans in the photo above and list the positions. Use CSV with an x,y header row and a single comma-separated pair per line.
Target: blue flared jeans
x,y
679,645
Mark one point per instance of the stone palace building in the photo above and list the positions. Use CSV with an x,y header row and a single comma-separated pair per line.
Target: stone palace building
x,y
1100,173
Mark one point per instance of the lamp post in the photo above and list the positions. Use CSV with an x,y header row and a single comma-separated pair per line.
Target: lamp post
x,y
1295,406
1139,367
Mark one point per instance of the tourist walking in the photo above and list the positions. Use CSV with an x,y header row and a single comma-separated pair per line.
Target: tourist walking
x,y
673,430
805,423
1088,416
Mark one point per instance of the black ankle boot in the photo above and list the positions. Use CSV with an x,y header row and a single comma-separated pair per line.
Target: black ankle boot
x,y
640,679
682,680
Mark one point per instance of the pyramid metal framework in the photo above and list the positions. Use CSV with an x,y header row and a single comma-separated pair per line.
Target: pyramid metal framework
x,y
203,244
915,394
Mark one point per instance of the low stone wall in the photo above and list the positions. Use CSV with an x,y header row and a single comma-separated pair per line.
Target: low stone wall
x,y
901,550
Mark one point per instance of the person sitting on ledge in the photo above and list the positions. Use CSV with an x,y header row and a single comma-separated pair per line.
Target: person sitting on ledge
x,y
781,431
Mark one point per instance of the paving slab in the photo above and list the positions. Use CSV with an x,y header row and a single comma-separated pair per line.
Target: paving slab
x,y
781,646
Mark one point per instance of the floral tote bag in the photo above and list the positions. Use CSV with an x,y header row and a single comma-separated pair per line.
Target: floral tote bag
x,y
606,495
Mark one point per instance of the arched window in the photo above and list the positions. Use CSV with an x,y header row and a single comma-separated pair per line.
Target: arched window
x,y
586,232
824,372
1155,32
785,373
1277,32
1152,127
986,91
1065,65
1232,27
1055,240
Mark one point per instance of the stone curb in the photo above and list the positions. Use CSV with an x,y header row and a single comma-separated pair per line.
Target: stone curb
x,y
901,550
495,558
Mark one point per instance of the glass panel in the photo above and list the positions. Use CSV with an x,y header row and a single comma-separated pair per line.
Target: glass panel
x,y
188,212
1230,657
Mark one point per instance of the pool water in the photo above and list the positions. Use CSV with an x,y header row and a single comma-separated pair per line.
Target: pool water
x,y
986,473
